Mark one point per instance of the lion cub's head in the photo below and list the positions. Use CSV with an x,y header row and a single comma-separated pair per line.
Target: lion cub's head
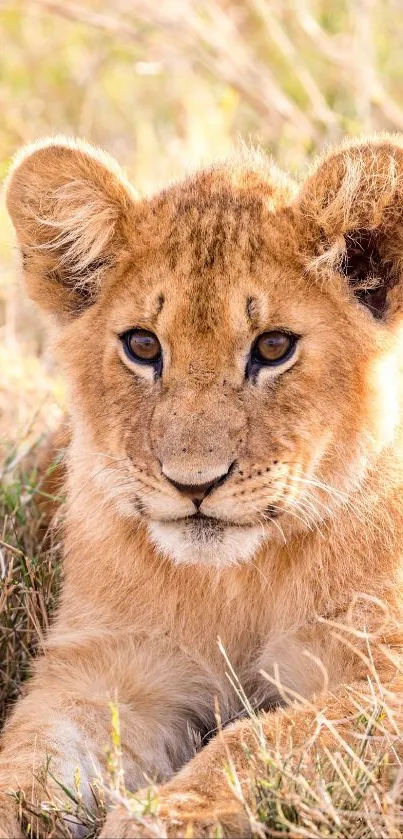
x,y
231,343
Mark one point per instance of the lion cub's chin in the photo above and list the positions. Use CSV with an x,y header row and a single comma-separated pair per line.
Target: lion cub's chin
x,y
218,546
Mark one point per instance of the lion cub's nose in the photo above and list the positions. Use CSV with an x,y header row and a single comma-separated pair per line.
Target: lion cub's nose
x,y
197,492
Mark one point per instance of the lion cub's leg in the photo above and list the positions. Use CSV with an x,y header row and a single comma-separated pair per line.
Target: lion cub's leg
x,y
201,799
66,718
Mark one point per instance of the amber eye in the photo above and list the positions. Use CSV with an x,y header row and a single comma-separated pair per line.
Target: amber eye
x,y
142,346
273,348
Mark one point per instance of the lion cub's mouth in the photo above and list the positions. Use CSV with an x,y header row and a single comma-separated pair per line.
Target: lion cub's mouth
x,y
201,517
203,523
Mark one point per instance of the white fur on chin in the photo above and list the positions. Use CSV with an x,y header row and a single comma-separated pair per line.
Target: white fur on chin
x,y
230,546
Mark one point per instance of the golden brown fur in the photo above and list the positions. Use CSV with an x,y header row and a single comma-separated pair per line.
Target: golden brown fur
x,y
310,515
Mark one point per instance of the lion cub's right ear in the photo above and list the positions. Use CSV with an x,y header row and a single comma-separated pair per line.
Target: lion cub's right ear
x,y
69,204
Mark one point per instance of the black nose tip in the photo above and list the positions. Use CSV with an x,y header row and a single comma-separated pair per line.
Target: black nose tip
x,y
197,492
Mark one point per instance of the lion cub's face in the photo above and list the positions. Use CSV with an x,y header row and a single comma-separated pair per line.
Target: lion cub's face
x,y
230,382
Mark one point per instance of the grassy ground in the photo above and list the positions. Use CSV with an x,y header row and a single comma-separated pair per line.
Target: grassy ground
x,y
30,574
29,556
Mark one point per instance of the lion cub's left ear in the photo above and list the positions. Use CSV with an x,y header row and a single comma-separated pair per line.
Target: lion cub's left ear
x,y
69,204
352,221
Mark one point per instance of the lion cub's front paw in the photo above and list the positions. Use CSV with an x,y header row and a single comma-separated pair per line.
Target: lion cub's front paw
x,y
177,815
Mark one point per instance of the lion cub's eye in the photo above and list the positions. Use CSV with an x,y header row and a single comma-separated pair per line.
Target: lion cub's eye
x,y
273,348
142,346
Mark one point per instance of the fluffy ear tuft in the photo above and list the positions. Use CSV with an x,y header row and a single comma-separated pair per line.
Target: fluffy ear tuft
x,y
68,203
352,207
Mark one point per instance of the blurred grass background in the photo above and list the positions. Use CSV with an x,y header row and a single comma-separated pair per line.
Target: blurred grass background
x,y
169,85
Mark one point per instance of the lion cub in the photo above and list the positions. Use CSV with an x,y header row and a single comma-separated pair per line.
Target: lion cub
x,y
232,347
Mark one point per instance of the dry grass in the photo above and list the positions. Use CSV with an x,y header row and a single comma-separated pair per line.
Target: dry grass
x,y
29,555
30,573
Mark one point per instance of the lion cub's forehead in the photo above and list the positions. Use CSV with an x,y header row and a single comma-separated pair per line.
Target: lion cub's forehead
x,y
217,217
208,250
